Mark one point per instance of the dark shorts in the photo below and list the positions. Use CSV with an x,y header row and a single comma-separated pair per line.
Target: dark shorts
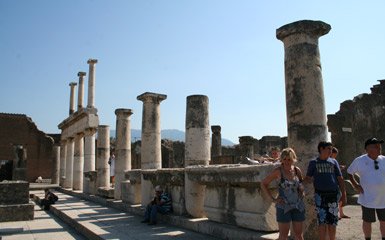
x,y
293,215
369,214
326,204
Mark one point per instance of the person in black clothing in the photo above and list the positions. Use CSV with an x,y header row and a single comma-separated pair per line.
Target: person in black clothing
x,y
49,198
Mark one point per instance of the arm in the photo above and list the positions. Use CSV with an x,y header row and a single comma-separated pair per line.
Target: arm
x,y
356,185
268,179
341,184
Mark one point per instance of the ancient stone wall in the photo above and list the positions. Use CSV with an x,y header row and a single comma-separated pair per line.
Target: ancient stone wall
x,y
357,120
18,129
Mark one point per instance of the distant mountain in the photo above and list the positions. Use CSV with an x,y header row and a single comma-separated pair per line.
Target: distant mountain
x,y
172,134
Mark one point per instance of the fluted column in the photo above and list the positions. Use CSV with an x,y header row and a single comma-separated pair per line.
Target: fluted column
x,y
247,146
78,162
216,141
81,89
72,97
122,148
69,163
197,150
63,153
305,104
91,83
151,156
103,154
56,164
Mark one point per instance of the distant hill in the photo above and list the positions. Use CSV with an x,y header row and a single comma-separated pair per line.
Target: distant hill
x,y
172,134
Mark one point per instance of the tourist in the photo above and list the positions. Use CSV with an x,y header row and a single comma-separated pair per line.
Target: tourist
x,y
49,199
342,167
112,169
274,155
370,167
329,185
161,203
289,203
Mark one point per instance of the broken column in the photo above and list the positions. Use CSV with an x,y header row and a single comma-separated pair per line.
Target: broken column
x,y
216,141
81,89
78,162
69,163
305,104
246,144
122,148
91,83
197,150
151,156
103,154
72,97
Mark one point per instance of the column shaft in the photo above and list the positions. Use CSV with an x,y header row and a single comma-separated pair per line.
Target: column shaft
x,y
247,146
63,153
91,83
216,141
89,150
56,164
122,149
81,89
72,97
78,162
103,154
69,163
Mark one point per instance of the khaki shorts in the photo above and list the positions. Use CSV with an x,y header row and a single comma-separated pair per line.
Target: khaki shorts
x,y
369,214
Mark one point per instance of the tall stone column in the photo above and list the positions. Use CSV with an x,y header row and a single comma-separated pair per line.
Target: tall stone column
x,y
72,97
89,149
63,153
91,83
151,156
122,148
78,162
103,154
197,150
305,104
247,146
81,89
56,164
69,163
216,141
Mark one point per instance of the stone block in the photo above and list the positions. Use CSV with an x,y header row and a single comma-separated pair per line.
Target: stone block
x,y
105,192
14,192
16,212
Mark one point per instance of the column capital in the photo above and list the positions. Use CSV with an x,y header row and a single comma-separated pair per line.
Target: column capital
x,y
89,131
81,74
72,84
307,27
216,128
151,97
246,140
123,111
92,61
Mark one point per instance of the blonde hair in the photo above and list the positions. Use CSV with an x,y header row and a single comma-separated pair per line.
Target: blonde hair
x,y
288,152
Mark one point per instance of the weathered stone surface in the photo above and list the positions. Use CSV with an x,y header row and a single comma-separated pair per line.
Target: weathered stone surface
x,y
16,212
14,192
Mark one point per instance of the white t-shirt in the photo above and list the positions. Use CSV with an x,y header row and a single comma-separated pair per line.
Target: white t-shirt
x,y
371,180
112,166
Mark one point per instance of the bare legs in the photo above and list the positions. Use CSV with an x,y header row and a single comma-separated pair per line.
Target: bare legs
x,y
284,229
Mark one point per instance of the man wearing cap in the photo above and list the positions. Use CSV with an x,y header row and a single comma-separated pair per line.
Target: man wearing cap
x,y
161,203
370,167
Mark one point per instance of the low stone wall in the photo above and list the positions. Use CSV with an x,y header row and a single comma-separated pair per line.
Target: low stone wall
x,y
14,201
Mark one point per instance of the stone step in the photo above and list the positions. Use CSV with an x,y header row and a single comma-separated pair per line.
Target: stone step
x,y
82,212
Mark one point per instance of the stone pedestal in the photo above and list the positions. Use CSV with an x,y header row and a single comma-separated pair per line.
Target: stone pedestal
x,y
197,150
131,187
305,104
90,180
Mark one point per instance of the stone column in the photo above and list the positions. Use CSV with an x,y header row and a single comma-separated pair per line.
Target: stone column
x,y
197,150
63,153
216,141
81,89
305,104
103,154
91,83
151,156
69,163
89,149
247,146
72,97
56,164
122,148
78,162
151,140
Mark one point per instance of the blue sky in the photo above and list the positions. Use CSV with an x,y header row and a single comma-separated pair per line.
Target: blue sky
x,y
226,50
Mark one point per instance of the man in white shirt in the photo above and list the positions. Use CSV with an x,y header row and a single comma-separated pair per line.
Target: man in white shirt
x,y
370,167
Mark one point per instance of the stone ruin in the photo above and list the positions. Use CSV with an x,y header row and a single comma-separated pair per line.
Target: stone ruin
x,y
225,193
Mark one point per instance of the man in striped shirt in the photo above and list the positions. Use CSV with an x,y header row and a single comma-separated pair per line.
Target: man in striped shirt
x,y
161,203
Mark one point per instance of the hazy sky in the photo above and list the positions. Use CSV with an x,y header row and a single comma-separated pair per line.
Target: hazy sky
x,y
226,50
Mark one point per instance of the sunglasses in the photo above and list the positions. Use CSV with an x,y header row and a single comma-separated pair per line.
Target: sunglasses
x,y
376,165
